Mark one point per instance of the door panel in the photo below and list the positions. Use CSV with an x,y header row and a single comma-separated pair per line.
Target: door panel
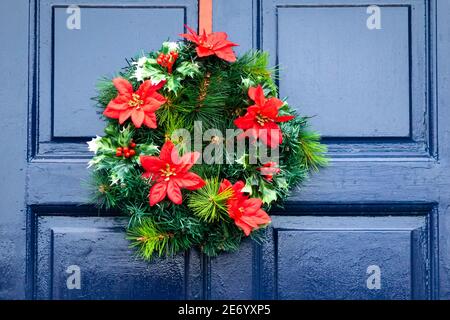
x,y
380,97
108,268
348,253
366,89
99,48
369,92
70,62
232,275
338,67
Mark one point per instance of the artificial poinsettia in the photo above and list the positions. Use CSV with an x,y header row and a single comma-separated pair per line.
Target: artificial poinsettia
x,y
261,119
171,174
246,212
140,105
215,43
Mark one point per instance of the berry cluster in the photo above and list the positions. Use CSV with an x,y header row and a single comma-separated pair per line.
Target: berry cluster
x,y
167,60
126,152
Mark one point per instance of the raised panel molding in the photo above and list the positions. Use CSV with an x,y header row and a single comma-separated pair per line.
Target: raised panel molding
x,y
66,64
328,247
417,139
387,74
331,248
60,237
99,48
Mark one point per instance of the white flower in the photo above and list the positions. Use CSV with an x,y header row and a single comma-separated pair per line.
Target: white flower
x,y
173,46
139,74
141,61
93,144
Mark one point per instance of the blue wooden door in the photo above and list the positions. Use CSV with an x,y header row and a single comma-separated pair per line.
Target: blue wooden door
x,y
374,225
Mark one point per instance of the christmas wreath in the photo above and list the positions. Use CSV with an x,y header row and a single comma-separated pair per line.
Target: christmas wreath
x,y
198,147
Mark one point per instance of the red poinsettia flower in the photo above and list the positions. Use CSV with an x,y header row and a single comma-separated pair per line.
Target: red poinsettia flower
x,y
140,105
246,212
261,119
236,188
215,43
269,169
171,174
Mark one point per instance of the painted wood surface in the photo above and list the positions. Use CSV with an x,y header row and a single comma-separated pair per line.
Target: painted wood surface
x,y
380,97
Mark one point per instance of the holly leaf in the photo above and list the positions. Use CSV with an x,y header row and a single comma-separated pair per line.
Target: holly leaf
x,y
282,183
173,84
247,188
152,72
149,62
188,69
147,149
268,194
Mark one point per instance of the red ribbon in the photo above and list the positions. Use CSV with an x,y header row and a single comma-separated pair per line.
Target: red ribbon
x,y
205,16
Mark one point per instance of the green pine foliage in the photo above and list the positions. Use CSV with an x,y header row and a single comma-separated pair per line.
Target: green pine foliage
x,y
150,239
212,92
208,204
313,151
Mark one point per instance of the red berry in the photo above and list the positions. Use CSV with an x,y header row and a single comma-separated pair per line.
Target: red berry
x,y
118,153
132,145
132,152
125,149
127,154
119,149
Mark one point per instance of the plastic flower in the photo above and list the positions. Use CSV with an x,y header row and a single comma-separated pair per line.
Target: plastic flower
x,y
172,46
140,62
268,170
215,43
171,174
261,119
140,105
246,212
140,73
93,145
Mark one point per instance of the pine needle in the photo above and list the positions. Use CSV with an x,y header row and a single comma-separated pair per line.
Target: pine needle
x,y
313,151
208,204
148,238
